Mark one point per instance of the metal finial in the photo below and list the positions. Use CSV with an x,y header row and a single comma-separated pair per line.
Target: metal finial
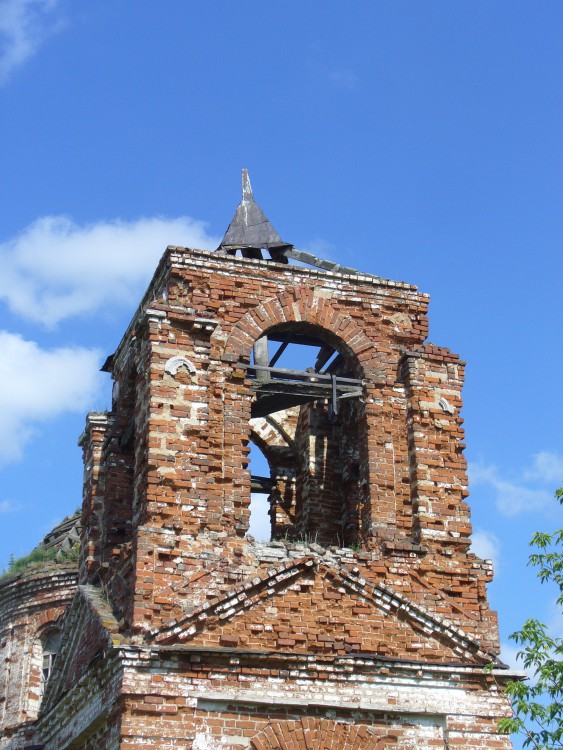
x,y
246,186
250,231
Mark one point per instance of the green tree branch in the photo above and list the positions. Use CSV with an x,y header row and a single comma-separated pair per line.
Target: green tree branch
x,y
538,705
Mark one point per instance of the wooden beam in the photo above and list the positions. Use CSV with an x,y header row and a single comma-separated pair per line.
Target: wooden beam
x,y
307,375
277,395
262,358
323,356
261,484
280,351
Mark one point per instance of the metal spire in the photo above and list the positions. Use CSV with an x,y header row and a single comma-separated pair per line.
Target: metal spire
x,y
250,231
246,186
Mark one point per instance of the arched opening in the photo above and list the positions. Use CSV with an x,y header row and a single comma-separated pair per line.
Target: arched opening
x,y
46,646
309,421
273,470
51,644
261,486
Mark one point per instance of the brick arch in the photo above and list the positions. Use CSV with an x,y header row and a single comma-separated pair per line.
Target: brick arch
x,y
326,317
48,621
304,307
275,453
321,734
278,448
267,432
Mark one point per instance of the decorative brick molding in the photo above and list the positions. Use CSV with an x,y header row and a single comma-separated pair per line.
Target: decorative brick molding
x,y
306,307
322,734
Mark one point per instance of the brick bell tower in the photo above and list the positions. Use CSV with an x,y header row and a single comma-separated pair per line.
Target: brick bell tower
x,y
364,622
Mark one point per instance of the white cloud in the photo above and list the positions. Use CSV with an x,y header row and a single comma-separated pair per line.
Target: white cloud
x,y
512,496
55,269
548,467
37,385
486,545
7,506
24,25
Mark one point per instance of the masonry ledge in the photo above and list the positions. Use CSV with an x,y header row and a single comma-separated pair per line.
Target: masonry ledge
x,y
184,253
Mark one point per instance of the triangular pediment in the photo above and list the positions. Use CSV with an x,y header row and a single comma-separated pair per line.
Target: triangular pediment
x,y
89,629
309,606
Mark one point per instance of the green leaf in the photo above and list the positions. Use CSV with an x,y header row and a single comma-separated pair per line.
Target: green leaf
x,y
538,705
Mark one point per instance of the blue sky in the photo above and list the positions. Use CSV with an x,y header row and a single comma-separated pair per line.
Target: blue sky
x,y
416,141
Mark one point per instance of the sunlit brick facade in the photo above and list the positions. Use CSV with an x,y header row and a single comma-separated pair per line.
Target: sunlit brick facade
x,y
364,622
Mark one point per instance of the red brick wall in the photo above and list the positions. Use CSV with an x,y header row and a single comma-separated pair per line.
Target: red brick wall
x,y
31,605
385,477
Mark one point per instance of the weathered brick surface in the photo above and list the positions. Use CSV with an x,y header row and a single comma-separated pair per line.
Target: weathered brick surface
x,y
195,698
364,622
30,607
376,483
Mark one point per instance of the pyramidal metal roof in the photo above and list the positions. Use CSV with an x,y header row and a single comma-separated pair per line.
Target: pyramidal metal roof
x,y
250,230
